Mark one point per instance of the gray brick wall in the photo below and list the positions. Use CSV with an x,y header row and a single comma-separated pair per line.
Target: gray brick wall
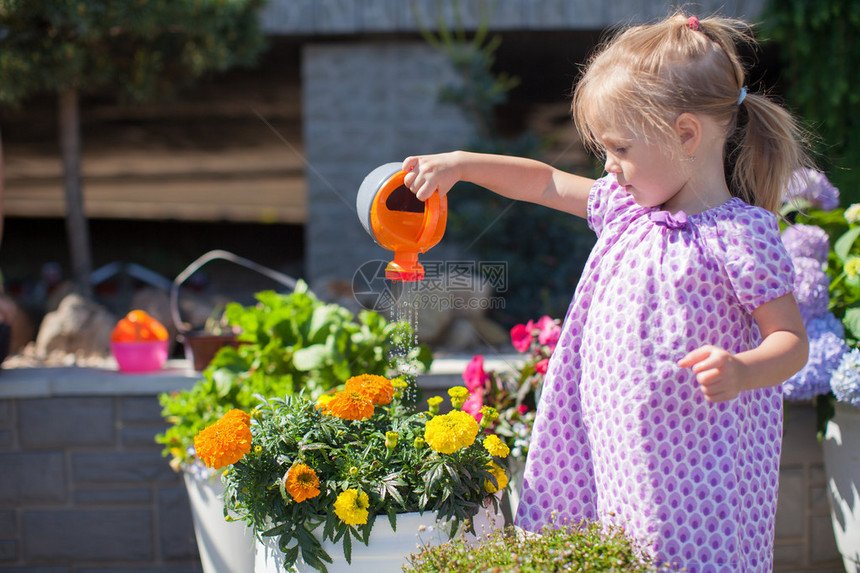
x,y
321,17
83,488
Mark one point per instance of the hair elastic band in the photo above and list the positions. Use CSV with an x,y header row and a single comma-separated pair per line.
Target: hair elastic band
x,y
693,23
742,95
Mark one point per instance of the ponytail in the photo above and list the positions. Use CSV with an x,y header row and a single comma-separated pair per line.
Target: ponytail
x,y
767,146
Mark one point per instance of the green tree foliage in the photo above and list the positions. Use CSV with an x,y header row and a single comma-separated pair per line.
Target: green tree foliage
x,y
820,44
134,49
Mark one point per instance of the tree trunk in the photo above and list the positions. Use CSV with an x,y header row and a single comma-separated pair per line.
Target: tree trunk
x,y
77,228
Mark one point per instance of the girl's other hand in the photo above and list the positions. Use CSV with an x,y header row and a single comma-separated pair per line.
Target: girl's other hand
x,y
718,372
428,173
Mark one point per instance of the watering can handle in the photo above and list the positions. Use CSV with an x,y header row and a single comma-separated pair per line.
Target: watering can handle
x,y
281,278
431,217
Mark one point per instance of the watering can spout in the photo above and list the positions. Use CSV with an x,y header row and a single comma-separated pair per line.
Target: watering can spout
x,y
398,221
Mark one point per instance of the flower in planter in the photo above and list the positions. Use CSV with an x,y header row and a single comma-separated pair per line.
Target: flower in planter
x,y
352,506
324,472
810,188
301,482
826,347
846,379
825,239
451,432
225,442
513,394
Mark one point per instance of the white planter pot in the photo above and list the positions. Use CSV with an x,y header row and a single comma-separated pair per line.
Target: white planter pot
x,y
387,551
511,499
842,465
224,547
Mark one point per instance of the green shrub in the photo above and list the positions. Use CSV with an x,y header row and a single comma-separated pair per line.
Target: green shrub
x,y
585,547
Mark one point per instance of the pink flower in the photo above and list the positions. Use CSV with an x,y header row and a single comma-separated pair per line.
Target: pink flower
x,y
549,332
474,375
522,409
540,367
521,336
474,404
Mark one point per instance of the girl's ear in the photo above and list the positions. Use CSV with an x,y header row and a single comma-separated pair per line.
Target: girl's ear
x,y
689,130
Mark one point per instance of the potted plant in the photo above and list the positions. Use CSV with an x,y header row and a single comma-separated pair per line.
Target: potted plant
x,y
353,473
827,288
514,393
290,343
201,345
588,546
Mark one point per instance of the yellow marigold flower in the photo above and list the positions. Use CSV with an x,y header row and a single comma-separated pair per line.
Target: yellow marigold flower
x,y
377,389
391,440
852,267
459,395
496,447
302,483
352,506
399,384
488,416
323,401
350,406
501,478
226,441
258,449
433,403
451,432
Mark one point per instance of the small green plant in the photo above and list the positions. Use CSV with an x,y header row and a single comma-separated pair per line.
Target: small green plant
x,y
584,547
290,342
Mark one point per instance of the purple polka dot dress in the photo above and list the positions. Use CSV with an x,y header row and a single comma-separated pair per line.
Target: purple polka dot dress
x,y
624,435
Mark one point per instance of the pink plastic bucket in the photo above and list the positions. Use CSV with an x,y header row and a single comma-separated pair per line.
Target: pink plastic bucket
x,y
147,356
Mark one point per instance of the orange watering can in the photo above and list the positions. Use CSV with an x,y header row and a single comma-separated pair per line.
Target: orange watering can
x,y
399,221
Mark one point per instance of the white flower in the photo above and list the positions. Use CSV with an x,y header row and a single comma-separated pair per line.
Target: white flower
x,y
852,213
846,380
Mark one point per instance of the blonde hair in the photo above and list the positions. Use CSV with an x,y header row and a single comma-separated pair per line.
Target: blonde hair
x,y
646,76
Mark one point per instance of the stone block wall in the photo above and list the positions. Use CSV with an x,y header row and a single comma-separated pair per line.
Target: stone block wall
x,y
83,487
365,105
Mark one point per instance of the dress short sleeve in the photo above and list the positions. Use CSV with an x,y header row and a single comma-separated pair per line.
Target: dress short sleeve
x,y
606,200
758,266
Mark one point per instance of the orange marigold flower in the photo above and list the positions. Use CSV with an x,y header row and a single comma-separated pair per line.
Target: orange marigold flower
x,y
226,441
377,389
302,483
349,405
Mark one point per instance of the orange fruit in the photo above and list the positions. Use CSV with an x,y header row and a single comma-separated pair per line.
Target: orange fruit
x,y
138,326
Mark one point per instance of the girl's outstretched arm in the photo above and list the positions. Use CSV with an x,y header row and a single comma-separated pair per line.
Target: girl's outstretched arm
x,y
783,351
514,177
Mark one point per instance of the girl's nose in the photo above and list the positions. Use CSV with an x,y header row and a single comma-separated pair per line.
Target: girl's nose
x,y
611,165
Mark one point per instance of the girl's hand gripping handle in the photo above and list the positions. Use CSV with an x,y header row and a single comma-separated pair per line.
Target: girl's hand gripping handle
x,y
428,173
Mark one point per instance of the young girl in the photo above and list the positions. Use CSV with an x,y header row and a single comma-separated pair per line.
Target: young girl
x,y
661,410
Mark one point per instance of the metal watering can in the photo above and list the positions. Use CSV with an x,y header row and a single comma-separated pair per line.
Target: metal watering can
x,y
398,221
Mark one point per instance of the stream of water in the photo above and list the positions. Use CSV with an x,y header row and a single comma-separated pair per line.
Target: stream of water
x,y
405,313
